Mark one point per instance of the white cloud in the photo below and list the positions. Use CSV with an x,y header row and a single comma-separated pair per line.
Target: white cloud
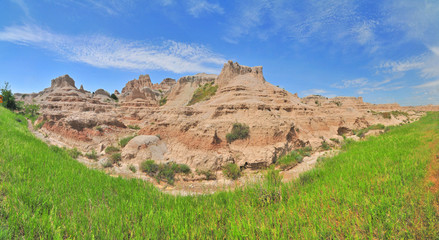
x,y
198,7
105,52
402,66
428,84
354,83
313,92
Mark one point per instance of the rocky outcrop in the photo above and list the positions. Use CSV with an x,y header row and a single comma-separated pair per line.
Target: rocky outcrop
x,y
101,91
62,82
144,147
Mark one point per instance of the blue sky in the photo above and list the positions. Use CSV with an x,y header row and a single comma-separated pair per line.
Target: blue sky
x,y
386,51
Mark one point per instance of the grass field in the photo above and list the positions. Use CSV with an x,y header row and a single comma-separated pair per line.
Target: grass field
x,y
379,188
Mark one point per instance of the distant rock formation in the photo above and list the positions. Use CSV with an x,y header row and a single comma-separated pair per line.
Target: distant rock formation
x,y
63,81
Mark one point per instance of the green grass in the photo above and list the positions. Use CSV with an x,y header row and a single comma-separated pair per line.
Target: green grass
x,y
124,141
203,93
377,189
293,158
163,101
111,149
135,127
362,132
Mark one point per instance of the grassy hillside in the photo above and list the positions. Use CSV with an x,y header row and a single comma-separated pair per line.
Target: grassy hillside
x,y
376,189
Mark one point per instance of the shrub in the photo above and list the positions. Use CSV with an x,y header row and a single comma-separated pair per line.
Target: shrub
x,y
335,140
124,141
203,93
135,127
163,172
239,131
8,97
232,171
111,149
325,145
107,164
113,96
93,155
163,101
132,168
31,109
73,152
149,167
115,157
40,124
207,173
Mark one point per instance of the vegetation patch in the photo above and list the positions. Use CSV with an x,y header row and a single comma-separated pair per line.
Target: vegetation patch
x,y
124,141
132,168
111,149
362,132
208,174
293,158
92,155
163,101
203,93
113,96
115,158
135,127
73,152
40,124
232,171
239,131
164,171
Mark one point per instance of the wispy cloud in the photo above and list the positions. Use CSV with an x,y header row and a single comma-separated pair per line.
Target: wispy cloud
x,y
358,82
199,7
302,21
314,92
105,52
428,84
22,4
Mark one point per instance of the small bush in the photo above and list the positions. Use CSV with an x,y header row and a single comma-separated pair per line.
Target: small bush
x,y
325,145
163,172
113,96
107,164
208,174
232,171
239,131
124,141
132,168
111,149
135,127
93,155
149,167
163,101
73,152
115,157
335,140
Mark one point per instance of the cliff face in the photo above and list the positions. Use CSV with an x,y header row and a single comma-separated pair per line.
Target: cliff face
x,y
196,135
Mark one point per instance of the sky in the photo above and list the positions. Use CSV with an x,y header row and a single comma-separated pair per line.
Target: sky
x,y
385,51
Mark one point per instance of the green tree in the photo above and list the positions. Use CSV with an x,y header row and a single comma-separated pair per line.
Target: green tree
x,y
8,97
31,109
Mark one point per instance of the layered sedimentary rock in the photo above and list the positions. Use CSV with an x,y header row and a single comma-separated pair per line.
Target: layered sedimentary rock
x,y
196,135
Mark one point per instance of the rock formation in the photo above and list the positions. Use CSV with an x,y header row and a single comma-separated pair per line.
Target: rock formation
x,y
196,135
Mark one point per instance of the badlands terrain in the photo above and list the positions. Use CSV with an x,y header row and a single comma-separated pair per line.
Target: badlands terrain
x,y
170,123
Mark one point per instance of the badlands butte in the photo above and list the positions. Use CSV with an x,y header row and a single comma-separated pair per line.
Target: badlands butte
x,y
171,126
